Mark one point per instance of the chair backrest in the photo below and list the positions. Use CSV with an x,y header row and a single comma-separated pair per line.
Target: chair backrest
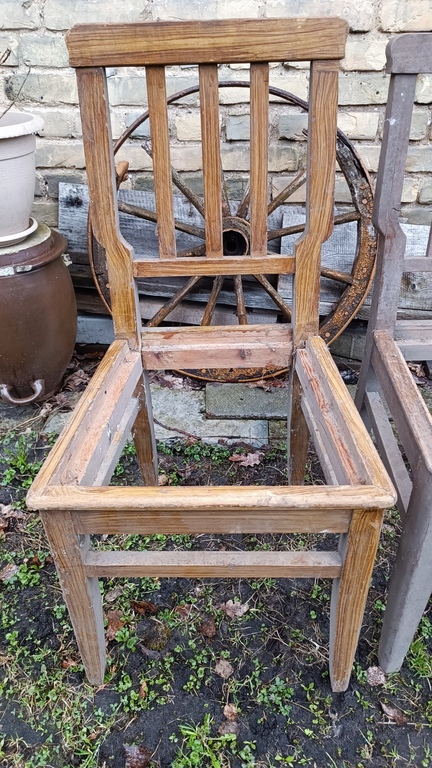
x,y
92,48
407,56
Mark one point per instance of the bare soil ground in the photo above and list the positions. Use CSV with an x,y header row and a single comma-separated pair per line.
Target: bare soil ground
x,y
200,673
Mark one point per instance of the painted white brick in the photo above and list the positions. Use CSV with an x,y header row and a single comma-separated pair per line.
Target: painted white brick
x,y
174,10
8,50
59,154
131,89
424,89
62,123
425,195
248,9
15,14
281,158
364,54
44,51
63,15
410,190
419,125
363,89
293,82
360,14
47,88
188,127
359,125
370,156
406,15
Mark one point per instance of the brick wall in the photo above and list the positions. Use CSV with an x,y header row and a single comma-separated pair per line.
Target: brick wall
x,y
35,72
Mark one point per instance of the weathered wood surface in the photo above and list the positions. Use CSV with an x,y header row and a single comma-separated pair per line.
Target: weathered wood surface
x,y
140,44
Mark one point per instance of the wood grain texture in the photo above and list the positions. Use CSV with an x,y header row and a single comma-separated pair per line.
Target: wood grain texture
x,y
80,591
358,549
297,432
322,116
217,346
246,565
214,499
259,120
143,433
229,265
156,93
195,42
209,106
93,96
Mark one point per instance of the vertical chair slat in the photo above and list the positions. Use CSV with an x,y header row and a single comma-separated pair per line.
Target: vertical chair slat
x,y
259,78
322,125
96,127
209,103
156,91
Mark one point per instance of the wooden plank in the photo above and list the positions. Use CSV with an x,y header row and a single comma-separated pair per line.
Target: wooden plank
x,y
229,265
259,119
113,502
388,449
414,338
116,360
195,42
210,137
118,441
81,592
410,53
212,346
195,521
319,445
412,418
245,565
320,195
358,549
143,434
339,422
298,432
93,96
156,92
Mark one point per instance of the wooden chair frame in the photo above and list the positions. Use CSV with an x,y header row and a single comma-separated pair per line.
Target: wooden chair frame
x,y
384,373
72,491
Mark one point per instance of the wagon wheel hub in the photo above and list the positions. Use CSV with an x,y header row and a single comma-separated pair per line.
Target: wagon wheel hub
x,y
236,236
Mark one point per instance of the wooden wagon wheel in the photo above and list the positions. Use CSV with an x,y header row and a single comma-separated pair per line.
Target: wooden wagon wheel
x,y
236,241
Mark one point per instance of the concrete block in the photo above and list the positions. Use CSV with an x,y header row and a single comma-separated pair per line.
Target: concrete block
x,y
188,127
370,156
342,193
359,125
8,50
248,9
43,87
281,158
238,128
240,401
292,126
368,88
44,50
364,54
175,10
59,123
424,89
406,15
419,159
45,212
410,190
417,215
59,154
360,15
61,15
18,14
419,125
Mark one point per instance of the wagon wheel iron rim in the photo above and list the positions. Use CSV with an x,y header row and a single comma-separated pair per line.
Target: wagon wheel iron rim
x,y
357,282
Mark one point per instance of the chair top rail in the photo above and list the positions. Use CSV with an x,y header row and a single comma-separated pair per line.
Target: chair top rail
x,y
410,54
196,42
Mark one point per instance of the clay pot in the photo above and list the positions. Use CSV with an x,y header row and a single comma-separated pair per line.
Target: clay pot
x,y
37,318
17,173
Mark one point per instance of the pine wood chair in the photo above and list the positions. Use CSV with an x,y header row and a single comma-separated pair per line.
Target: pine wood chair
x,y
385,375
72,491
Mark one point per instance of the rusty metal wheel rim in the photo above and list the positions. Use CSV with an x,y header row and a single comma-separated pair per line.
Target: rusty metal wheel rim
x,y
357,282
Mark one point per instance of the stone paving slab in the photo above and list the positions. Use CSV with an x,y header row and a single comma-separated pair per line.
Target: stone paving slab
x,y
224,401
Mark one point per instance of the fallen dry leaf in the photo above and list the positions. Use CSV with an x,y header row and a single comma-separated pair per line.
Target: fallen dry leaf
x,y
8,571
224,669
144,607
113,594
183,611
208,628
162,479
234,610
229,726
394,713
68,663
137,757
114,624
248,459
143,690
230,712
375,676
76,380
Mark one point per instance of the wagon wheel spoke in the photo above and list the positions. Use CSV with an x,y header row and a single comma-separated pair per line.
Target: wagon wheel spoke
x,y
178,181
173,302
241,308
289,190
144,213
342,218
242,210
211,304
272,292
226,210
340,277
200,250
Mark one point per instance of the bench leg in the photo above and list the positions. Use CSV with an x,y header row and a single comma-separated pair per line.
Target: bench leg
x,y
358,549
143,434
81,594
